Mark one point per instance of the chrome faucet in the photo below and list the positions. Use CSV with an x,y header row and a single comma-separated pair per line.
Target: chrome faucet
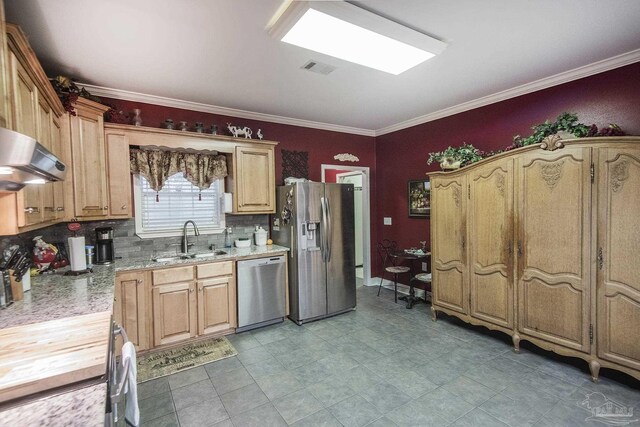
x,y
185,242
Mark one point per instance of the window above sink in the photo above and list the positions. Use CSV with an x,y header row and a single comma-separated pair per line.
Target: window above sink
x,y
163,213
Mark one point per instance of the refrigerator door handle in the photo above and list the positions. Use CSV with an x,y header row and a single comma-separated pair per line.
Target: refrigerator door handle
x,y
323,228
329,229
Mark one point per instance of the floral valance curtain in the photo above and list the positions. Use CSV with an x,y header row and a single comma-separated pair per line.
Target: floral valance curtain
x,y
157,165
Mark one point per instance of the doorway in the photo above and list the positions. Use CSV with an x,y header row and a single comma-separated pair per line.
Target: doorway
x,y
359,177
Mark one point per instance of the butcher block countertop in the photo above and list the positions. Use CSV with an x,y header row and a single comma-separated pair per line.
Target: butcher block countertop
x,y
53,354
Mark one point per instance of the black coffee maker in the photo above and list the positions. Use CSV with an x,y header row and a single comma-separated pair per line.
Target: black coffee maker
x,y
104,245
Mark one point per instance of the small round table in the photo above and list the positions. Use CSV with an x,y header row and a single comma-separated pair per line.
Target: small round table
x,y
412,257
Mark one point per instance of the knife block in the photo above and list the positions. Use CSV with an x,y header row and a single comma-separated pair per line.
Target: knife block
x,y
16,287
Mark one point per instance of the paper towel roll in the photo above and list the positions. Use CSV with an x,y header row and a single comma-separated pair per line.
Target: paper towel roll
x,y
77,260
228,202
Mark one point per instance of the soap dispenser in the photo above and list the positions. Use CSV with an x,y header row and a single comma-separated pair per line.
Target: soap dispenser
x,y
260,236
227,237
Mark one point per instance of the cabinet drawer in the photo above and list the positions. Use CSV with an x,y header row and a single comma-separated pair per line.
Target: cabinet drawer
x,y
215,269
172,275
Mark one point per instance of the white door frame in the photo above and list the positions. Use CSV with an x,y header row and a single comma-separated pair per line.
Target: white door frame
x,y
366,215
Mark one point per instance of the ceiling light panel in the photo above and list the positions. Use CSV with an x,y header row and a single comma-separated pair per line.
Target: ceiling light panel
x,y
345,31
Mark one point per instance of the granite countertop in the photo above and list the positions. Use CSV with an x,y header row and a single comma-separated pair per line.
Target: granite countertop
x,y
56,296
81,407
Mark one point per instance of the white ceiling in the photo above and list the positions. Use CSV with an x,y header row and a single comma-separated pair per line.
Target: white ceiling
x,y
218,53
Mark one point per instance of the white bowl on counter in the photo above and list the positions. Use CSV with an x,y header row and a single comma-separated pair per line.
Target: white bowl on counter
x,y
243,243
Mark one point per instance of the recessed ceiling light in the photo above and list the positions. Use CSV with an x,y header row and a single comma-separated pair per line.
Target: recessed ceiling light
x,y
345,31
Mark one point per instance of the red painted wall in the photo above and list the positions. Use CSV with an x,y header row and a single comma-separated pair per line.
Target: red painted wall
x,y
330,174
603,98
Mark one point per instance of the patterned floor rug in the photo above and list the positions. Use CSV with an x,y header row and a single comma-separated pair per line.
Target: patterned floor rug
x,y
176,359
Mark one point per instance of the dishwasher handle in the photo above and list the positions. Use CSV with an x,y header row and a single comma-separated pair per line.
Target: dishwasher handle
x,y
250,263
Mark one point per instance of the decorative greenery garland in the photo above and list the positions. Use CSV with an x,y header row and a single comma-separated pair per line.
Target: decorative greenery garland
x,y
566,122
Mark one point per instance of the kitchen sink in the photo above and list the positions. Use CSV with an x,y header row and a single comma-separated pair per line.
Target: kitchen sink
x,y
189,256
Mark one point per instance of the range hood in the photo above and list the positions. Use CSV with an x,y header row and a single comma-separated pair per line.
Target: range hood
x,y
24,161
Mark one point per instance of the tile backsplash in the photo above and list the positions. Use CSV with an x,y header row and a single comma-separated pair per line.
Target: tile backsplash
x,y
126,243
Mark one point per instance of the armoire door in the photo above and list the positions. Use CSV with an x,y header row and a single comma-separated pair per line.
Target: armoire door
x,y
553,194
449,243
491,243
617,255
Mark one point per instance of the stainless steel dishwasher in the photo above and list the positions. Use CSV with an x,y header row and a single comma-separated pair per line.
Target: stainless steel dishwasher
x,y
261,292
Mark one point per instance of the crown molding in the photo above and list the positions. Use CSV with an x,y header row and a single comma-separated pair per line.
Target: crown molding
x,y
547,82
214,109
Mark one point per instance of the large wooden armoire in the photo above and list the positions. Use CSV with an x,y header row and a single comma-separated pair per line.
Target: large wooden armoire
x,y
543,243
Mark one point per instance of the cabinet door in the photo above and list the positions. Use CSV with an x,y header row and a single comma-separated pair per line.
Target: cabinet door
x,y
58,150
449,243
255,180
618,258
89,166
216,305
4,88
44,138
119,175
25,111
130,307
554,198
491,243
174,312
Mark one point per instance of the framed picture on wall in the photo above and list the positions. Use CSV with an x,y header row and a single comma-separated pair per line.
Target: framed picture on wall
x,y
419,198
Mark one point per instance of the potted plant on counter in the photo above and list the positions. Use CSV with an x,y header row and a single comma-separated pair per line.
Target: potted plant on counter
x,y
456,157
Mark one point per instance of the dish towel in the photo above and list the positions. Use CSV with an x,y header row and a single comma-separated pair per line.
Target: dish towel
x,y
132,412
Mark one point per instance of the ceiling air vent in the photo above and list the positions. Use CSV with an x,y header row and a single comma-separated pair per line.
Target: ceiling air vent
x,y
318,67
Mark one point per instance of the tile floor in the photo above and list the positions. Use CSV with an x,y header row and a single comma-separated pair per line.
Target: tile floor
x,y
381,365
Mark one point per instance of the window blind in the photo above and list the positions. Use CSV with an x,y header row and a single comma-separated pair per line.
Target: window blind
x,y
179,201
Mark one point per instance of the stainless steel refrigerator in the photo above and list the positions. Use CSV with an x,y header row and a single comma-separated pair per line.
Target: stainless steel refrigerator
x,y
316,221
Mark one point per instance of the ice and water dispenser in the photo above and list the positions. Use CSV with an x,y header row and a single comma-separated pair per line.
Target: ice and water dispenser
x,y
309,238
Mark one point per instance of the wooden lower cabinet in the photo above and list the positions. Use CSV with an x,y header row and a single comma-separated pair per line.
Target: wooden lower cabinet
x,y
174,313
214,308
131,306
552,254
202,301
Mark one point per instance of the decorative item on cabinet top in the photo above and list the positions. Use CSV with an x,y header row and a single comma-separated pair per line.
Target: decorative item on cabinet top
x,y
237,131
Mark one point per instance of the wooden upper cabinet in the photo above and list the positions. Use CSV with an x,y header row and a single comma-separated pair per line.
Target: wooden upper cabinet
x,y
89,163
5,114
449,238
491,243
617,255
554,206
254,183
118,174
24,99
57,146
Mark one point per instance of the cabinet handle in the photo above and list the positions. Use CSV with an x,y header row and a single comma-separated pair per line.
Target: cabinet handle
x,y
49,208
105,208
32,210
123,207
519,248
59,209
600,259
139,281
191,290
463,242
510,248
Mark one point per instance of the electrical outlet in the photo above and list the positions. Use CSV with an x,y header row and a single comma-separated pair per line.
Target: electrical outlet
x,y
424,266
387,220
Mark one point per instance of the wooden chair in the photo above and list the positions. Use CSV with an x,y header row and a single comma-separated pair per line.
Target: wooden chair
x,y
385,248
